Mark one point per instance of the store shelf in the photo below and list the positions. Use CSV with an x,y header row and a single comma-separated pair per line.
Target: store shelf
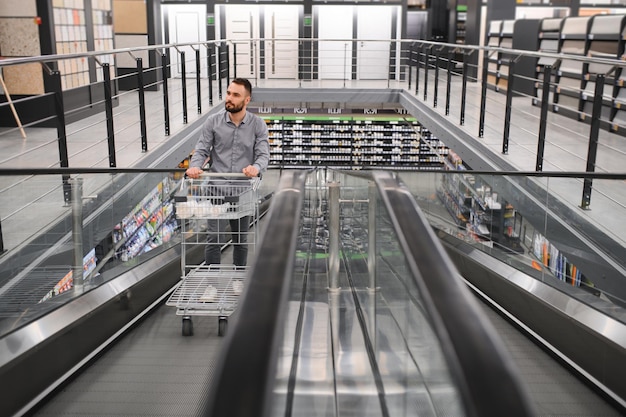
x,y
354,141
570,75
477,209
148,225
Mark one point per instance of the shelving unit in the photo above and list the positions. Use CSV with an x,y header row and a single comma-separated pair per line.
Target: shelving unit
x,y
493,40
477,209
550,257
506,41
604,42
461,19
500,35
353,142
549,35
569,76
148,225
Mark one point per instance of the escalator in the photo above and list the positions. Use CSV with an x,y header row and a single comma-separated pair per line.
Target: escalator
x,y
365,339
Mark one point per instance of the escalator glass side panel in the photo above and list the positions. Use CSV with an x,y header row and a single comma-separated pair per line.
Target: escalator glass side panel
x,y
121,221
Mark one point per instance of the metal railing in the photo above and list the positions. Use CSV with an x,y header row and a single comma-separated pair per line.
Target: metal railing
x,y
133,122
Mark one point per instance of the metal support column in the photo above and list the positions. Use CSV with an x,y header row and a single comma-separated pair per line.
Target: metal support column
x,y
108,106
333,230
464,89
411,53
210,70
219,69
234,62
436,86
417,68
183,72
142,105
371,234
483,97
77,234
543,119
198,86
227,66
593,140
426,65
1,238
449,80
166,105
59,109
508,108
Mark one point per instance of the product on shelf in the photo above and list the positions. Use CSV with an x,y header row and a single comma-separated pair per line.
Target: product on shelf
x,y
477,209
356,142
148,225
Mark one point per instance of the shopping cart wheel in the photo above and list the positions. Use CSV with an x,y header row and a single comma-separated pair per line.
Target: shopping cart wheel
x,y
187,326
222,321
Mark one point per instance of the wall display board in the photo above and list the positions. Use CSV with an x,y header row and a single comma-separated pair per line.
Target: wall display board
x,y
102,13
70,33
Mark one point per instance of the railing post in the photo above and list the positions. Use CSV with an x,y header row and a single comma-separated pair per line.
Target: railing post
x,y
183,71
166,105
593,140
464,89
410,64
418,61
220,69
508,108
449,81
210,52
543,119
142,105
426,65
59,109
371,234
198,86
1,238
234,61
333,229
436,86
77,234
483,97
228,65
108,106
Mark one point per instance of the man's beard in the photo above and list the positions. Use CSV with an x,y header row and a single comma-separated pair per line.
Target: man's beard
x,y
233,109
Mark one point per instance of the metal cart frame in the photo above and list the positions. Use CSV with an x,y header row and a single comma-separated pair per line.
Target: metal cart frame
x,y
212,290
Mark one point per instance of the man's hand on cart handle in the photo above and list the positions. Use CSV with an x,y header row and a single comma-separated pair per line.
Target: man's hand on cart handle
x,y
250,171
194,172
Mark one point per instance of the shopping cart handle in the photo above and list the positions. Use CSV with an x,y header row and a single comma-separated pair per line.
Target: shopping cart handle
x,y
223,175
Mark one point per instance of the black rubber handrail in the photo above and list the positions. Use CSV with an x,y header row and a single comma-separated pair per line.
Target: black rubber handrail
x,y
245,369
488,382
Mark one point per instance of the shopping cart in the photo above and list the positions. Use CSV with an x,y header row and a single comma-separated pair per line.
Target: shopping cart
x,y
212,290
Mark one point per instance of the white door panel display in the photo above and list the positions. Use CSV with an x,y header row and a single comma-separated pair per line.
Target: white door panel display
x,y
373,23
242,23
281,57
186,24
335,57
